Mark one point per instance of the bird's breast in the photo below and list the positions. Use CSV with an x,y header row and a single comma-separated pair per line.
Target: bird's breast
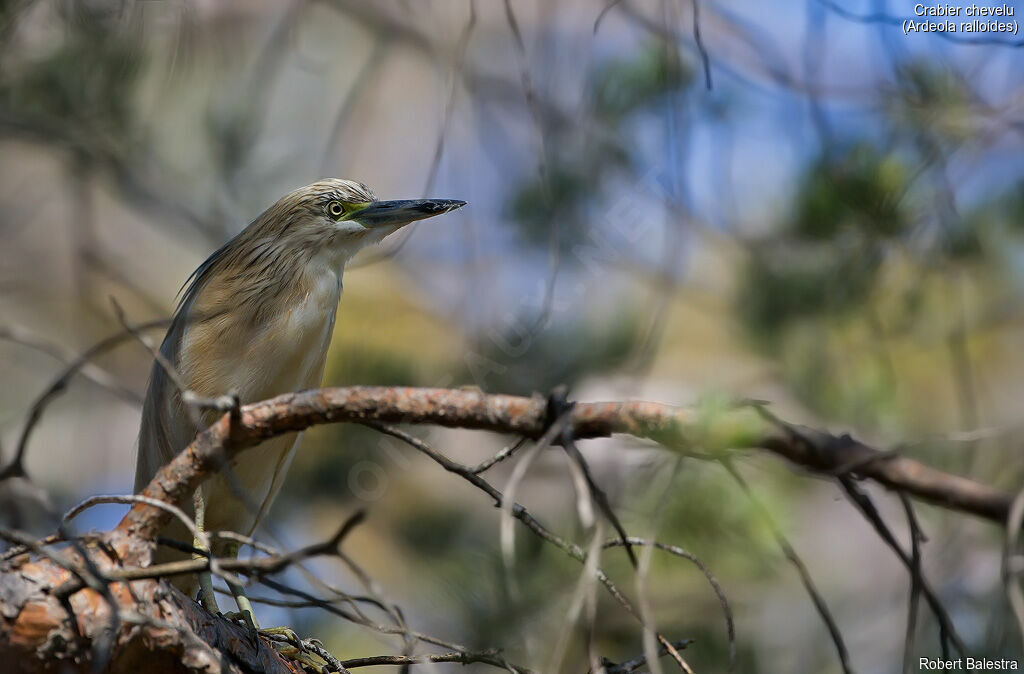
x,y
284,352
259,342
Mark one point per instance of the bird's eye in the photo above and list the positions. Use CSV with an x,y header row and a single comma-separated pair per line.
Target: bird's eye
x,y
335,209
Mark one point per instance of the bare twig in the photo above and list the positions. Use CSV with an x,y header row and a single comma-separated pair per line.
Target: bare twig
x,y
730,625
21,335
1012,571
460,657
600,498
917,537
503,454
701,49
257,566
805,576
636,663
224,403
947,631
16,468
520,513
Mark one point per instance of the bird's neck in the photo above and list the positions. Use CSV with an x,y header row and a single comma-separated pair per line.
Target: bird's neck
x,y
322,274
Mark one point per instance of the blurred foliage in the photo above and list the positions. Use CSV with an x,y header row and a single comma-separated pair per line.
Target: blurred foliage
x,y
705,513
626,86
801,281
931,105
991,225
330,452
81,86
537,360
859,191
860,259
567,192
825,259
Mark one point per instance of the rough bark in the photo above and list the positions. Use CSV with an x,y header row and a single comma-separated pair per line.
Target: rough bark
x,y
162,630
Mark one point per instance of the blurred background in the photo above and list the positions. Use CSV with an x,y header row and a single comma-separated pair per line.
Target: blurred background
x,y
798,204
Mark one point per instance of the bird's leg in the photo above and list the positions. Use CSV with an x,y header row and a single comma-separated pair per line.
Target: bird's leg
x,y
291,646
245,612
206,595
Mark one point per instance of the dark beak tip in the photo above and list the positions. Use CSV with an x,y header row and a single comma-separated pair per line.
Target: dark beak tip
x,y
445,206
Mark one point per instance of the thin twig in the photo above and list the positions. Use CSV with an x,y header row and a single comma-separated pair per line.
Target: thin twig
x,y
947,631
16,468
701,49
460,657
798,564
639,661
531,523
1010,572
22,336
723,600
503,454
917,537
599,497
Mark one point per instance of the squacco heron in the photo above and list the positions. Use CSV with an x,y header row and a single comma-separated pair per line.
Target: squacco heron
x,y
255,321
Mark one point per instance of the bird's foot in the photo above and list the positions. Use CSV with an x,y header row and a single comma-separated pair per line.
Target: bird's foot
x,y
310,653
246,618
278,635
283,638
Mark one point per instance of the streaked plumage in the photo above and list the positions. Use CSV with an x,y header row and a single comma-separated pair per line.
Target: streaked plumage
x,y
256,318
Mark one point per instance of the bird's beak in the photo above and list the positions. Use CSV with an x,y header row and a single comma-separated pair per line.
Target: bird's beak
x,y
404,211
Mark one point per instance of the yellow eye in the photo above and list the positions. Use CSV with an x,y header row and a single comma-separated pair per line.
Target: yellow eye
x,y
335,209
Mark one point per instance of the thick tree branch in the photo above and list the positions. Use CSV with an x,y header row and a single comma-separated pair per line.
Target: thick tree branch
x,y
712,429
164,631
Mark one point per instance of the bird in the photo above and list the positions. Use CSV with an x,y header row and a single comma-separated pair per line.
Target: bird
x,y
254,320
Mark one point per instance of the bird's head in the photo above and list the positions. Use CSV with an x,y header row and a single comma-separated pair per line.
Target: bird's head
x,y
342,215
327,222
